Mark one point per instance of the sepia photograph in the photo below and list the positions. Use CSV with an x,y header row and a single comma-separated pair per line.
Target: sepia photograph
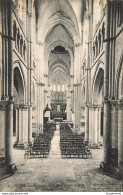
x,y
61,96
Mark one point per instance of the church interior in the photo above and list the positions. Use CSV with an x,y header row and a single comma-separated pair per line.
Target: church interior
x,y
61,95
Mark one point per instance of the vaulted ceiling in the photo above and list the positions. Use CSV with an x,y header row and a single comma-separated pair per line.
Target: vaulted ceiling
x,y
58,28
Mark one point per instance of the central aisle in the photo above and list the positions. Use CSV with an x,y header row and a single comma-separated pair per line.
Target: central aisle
x,y
55,147
58,174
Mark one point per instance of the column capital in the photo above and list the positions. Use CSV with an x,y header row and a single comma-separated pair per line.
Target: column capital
x,y
72,76
83,107
2,107
16,106
114,104
94,107
40,43
77,44
34,108
41,84
72,91
30,14
77,84
106,100
89,16
120,105
23,107
45,75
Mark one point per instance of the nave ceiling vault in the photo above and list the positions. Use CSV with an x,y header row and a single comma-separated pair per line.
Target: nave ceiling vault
x,y
57,25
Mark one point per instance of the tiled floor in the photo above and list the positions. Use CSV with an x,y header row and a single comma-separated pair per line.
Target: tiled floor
x,y
57,174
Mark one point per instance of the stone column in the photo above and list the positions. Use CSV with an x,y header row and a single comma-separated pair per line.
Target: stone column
x,y
4,48
1,38
45,98
93,124
77,107
30,100
87,88
114,124
9,135
72,94
17,122
87,114
9,115
107,108
23,127
46,89
120,138
99,124
3,127
48,97
107,131
48,101
89,133
30,124
69,117
72,105
41,106
68,109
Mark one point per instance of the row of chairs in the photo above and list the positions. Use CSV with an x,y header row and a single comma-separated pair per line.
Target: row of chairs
x,y
41,144
72,145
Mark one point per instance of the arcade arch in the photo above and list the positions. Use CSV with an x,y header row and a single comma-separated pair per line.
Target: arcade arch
x,y
96,110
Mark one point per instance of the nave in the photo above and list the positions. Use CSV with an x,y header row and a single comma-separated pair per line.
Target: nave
x,y
58,174
59,60
71,144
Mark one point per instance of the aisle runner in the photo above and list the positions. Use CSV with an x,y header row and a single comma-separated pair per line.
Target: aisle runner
x,y
55,148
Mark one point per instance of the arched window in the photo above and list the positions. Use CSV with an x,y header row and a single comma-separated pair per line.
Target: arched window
x,y
14,32
99,42
62,87
103,32
58,87
54,87
119,13
18,39
96,44
24,50
93,53
21,45
20,5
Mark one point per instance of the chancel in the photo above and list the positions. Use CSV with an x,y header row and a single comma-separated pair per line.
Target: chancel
x,y
61,89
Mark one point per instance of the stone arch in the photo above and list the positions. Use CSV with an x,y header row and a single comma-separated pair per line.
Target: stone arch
x,y
97,84
83,92
119,79
19,84
63,44
57,43
57,15
97,104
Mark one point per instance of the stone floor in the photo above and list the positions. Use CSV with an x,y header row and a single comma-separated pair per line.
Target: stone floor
x,y
59,175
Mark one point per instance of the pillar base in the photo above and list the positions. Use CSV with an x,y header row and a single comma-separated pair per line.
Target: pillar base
x,y
11,168
21,146
94,145
111,171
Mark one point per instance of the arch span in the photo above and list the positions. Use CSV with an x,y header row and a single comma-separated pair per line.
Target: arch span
x,y
19,83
